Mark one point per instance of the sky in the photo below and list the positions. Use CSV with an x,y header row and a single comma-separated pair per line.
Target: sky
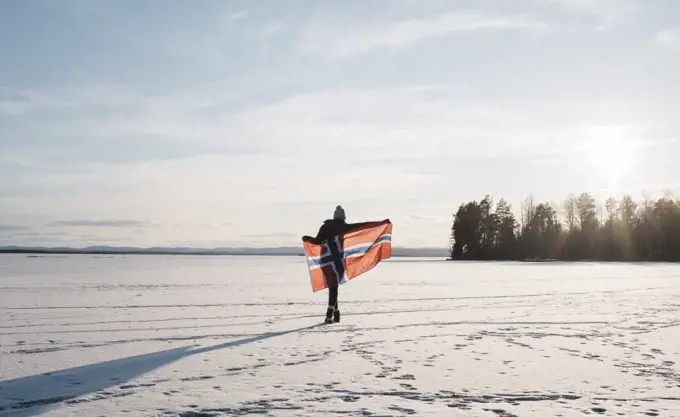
x,y
241,123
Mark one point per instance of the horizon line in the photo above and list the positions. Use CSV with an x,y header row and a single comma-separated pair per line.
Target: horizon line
x,y
168,250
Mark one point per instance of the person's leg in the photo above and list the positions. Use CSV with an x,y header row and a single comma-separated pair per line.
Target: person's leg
x,y
333,296
336,310
332,302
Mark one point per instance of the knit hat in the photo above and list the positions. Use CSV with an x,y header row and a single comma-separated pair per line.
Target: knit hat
x,y
339,213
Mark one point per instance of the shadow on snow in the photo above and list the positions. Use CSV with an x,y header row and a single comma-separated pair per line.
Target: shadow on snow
x,y
32,395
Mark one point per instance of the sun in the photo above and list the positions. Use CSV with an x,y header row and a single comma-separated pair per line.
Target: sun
x,y
610,154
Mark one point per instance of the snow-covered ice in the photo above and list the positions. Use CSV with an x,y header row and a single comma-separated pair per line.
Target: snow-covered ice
x,y
211,336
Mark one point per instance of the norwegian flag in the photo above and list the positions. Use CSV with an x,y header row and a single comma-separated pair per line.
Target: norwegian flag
x,y
349,255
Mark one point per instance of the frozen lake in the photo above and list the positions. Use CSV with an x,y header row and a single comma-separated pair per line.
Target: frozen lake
x,y
212,336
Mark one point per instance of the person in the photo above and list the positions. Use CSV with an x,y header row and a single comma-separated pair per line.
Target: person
x,y
331,228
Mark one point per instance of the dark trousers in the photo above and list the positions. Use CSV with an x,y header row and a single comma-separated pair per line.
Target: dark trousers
x,y
333,296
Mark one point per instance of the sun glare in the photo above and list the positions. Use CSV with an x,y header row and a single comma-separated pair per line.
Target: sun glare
x,y
610,154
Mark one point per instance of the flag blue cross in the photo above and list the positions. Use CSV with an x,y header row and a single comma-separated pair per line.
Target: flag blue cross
x,y
337,256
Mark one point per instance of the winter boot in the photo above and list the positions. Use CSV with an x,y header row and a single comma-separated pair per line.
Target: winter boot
x,y
336,315
329,315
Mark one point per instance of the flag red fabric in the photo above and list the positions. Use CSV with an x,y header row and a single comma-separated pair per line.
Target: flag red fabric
x,y
349,255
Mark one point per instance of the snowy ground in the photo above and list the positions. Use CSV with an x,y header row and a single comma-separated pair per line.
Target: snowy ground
x,y
211,336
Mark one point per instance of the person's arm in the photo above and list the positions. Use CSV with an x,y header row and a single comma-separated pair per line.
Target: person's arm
x,y
320,236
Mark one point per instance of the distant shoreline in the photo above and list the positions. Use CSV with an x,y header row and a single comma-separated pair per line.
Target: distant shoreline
x,y
39,252
94,252
401,253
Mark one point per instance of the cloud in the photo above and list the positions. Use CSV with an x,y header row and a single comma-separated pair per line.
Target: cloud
x,y
369,131
239,15
608,13
379,126
423,218
273,235
16,102
114,124
338,40
12,228
39,239
186,124
270,31
101,223
19,102
668,37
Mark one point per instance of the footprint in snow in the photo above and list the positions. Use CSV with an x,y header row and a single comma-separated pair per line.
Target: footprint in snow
x,y
402,410
351,399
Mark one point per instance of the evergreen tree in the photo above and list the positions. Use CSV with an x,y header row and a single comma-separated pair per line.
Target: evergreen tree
x,y
617,231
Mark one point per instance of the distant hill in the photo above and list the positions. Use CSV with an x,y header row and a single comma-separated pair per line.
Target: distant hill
x,y
271,251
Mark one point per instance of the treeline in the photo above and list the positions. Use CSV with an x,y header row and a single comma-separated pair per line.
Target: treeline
x,y
580,229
